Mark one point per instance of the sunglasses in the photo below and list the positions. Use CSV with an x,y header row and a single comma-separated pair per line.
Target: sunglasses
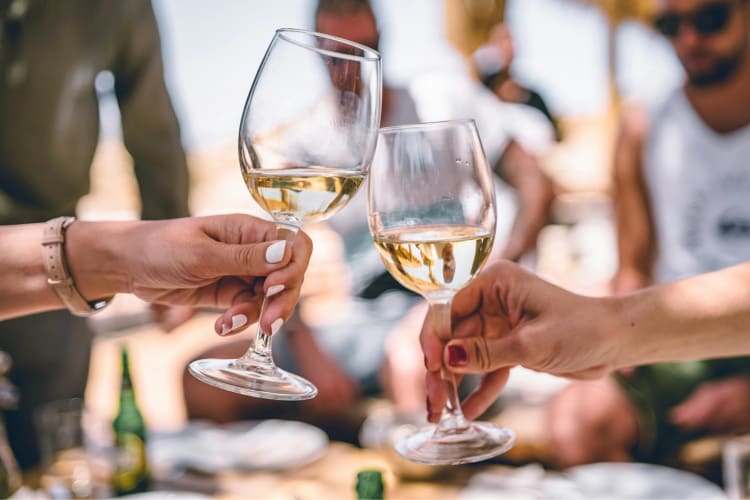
x,y
707,20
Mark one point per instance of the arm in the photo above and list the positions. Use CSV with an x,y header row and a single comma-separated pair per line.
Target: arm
x,y
150,129
509,317
635,233
224,261
521,171
702,317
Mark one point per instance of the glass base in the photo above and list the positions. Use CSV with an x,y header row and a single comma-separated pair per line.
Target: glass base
x,y
479,441
258,379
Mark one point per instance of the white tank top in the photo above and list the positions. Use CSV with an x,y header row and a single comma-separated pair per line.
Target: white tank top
x,y
699,184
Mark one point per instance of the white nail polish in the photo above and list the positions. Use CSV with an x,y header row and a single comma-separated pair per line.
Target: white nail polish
x,y
238,320
275,252
273,290
276,325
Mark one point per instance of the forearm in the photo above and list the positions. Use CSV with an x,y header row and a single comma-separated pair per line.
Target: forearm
x,y
703,317
93,254
535,195
536,198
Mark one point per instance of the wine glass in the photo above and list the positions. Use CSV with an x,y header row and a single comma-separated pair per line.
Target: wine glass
x,y
432,217
306,141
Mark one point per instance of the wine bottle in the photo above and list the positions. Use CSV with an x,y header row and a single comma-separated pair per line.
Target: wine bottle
x,y
131,468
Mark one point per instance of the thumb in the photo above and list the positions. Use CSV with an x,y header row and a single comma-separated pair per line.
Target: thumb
x,y
252,259
482,354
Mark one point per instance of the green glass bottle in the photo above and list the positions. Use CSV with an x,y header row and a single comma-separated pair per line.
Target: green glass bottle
x,y
370,485
131,467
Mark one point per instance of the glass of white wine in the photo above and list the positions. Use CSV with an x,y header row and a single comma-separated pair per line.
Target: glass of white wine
x,y
432,217
306,141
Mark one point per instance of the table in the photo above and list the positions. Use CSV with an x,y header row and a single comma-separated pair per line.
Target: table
x,y
334,476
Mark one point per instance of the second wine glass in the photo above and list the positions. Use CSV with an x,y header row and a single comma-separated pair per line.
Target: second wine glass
x,y
306,140
432,217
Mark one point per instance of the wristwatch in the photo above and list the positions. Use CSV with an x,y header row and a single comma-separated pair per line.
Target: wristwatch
x,y
58,273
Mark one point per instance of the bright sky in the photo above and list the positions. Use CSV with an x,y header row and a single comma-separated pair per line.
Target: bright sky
x,y
212,50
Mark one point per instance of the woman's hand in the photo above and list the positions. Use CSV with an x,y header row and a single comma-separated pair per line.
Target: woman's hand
x,y
509,317
220,261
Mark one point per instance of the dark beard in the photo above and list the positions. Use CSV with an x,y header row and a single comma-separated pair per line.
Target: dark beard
x,y
723,71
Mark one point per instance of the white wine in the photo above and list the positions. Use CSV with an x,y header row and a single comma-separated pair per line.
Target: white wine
x,y
301,195
433,259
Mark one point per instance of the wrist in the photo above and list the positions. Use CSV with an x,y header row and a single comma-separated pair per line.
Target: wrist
x,y
96,255
624,320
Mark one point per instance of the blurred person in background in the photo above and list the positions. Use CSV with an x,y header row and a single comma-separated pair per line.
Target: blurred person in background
x,y
493,63
682,204
514,137
50,56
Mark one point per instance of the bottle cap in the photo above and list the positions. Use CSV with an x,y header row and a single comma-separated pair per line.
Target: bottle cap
x,y
370,484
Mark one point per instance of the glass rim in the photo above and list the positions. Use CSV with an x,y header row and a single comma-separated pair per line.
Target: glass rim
x,y
370,54
427,125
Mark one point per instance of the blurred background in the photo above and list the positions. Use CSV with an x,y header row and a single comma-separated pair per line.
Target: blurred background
x,y
589,60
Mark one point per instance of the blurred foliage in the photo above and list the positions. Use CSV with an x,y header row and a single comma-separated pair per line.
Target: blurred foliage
x,y
622,10
469,22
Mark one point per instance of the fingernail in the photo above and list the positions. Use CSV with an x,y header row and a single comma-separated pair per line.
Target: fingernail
x,y
273,290
275,252
276,325
238,320
457,356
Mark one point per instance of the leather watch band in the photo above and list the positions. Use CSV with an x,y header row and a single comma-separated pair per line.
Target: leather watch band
x,y
58,274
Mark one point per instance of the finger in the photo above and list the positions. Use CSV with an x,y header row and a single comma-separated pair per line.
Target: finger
x,y
231,290
237,318
302,248
238,229
470,326
432,347
482,354
290,278
436,396
278,310
485,394
219,259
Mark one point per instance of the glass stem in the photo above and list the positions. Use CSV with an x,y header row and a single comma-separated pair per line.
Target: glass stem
x,y
260,350
452,421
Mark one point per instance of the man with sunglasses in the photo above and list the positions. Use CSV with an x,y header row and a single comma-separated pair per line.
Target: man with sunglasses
x,y
682,179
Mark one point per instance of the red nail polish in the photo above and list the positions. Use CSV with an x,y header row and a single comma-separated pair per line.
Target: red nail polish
x,y
457,356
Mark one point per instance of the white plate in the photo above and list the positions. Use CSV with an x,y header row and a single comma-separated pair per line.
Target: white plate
x,y
632,481
640,481
256,445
